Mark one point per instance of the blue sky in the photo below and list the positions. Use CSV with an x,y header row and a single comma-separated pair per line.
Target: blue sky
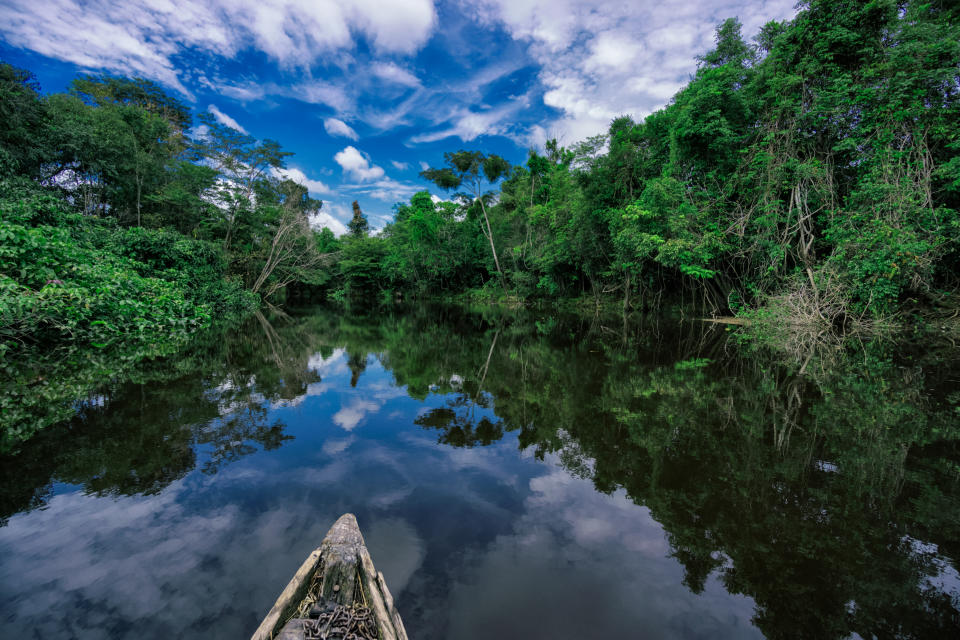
x,y
367,92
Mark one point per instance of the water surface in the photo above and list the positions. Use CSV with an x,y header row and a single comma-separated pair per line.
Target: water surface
x,y
516,475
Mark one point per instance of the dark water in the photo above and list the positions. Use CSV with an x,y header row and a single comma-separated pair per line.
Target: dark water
x,y
516,475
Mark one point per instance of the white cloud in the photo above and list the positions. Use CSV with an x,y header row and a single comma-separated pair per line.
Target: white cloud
x,y
298,176
226,120
240,91
323,219
317,92
400,166
612,49
468,124
336,127
356,165
144,38
424,166
386,189
599,60
392,73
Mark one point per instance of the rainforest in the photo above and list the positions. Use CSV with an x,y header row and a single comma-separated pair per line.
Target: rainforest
x,y
729,326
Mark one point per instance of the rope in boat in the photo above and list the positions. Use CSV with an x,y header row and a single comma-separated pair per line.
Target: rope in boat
x,y
327,620
338,622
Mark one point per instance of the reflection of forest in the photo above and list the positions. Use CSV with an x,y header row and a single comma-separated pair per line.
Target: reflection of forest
x,y
823,484
140,435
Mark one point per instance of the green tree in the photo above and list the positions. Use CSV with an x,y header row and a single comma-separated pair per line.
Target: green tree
x,y
23,144
245,165
472,170
358,225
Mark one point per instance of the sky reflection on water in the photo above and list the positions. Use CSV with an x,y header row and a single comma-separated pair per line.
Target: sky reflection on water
x,y
512,481
474,543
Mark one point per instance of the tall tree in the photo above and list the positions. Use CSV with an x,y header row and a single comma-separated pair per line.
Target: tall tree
x,y
358,225
24,118
474,171
292,252
138,92
244,164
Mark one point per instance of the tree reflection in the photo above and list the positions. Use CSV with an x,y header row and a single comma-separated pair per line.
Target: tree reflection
x,y
821,483
819,479
209,406
460,425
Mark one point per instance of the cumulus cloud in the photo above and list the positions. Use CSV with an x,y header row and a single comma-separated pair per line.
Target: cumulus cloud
x,y
298,176
145,38
226,120
336,127
324,220
356,165
400,166
599,60
584,62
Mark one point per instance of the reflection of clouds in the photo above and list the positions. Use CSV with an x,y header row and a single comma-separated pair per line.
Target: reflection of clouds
x,y
488,459
289,402
579,564
103,565
391,498
397,550
477,542
318,388
328,474
384,392
947,578
334,364
334,446
348,417
330,367
378,389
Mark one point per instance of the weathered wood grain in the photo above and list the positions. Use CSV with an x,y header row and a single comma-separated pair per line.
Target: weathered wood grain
x,y
347,574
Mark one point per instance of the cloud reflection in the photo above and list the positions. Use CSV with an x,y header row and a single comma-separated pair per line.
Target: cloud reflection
x,y
552,576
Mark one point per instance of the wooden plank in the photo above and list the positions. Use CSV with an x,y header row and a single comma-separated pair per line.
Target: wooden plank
x,y
341,550
394,614
289,597
375,602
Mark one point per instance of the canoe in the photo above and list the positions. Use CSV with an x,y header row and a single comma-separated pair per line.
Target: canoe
x,y
335,594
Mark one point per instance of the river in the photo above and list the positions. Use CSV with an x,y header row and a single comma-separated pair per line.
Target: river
x,y
517,474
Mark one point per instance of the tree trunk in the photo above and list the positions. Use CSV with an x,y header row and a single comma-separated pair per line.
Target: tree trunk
x,y
493,249
139,188
626,294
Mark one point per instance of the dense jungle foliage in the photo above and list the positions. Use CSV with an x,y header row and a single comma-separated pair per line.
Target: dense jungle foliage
x,y
814,171
811,175
120,237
